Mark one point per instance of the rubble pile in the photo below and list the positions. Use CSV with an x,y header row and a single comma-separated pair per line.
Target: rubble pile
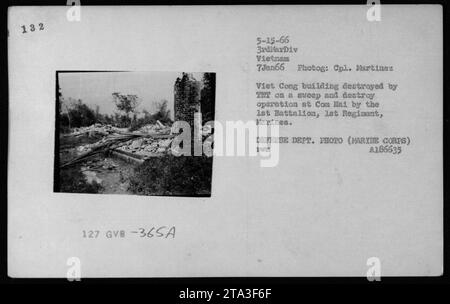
x,y
146,147
148,141
96,128
88,147
143,146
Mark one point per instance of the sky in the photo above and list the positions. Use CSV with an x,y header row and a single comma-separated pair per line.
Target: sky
x,y
96,88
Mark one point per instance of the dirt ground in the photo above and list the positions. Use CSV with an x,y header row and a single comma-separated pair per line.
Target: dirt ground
x,y
116,179
111,173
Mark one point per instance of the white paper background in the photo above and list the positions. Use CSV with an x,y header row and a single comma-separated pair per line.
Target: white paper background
x,y
322,211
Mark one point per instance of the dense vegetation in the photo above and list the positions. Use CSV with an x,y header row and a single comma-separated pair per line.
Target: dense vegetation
x,y
76,114
72,180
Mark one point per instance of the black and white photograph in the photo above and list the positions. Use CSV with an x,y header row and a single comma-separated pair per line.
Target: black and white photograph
x,y
114,132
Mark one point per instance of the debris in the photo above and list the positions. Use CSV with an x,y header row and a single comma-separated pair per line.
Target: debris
x,y
160,124
136,143
109,164
165,143
158,127
93,129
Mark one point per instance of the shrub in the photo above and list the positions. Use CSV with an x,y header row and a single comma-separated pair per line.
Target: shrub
x,y
72,180
172,175
162,114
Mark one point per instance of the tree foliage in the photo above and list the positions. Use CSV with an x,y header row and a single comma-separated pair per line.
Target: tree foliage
x,y
77,114
125,103
208,96
162,113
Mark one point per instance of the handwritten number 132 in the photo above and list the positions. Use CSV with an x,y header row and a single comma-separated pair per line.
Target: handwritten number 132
x,y
32,28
